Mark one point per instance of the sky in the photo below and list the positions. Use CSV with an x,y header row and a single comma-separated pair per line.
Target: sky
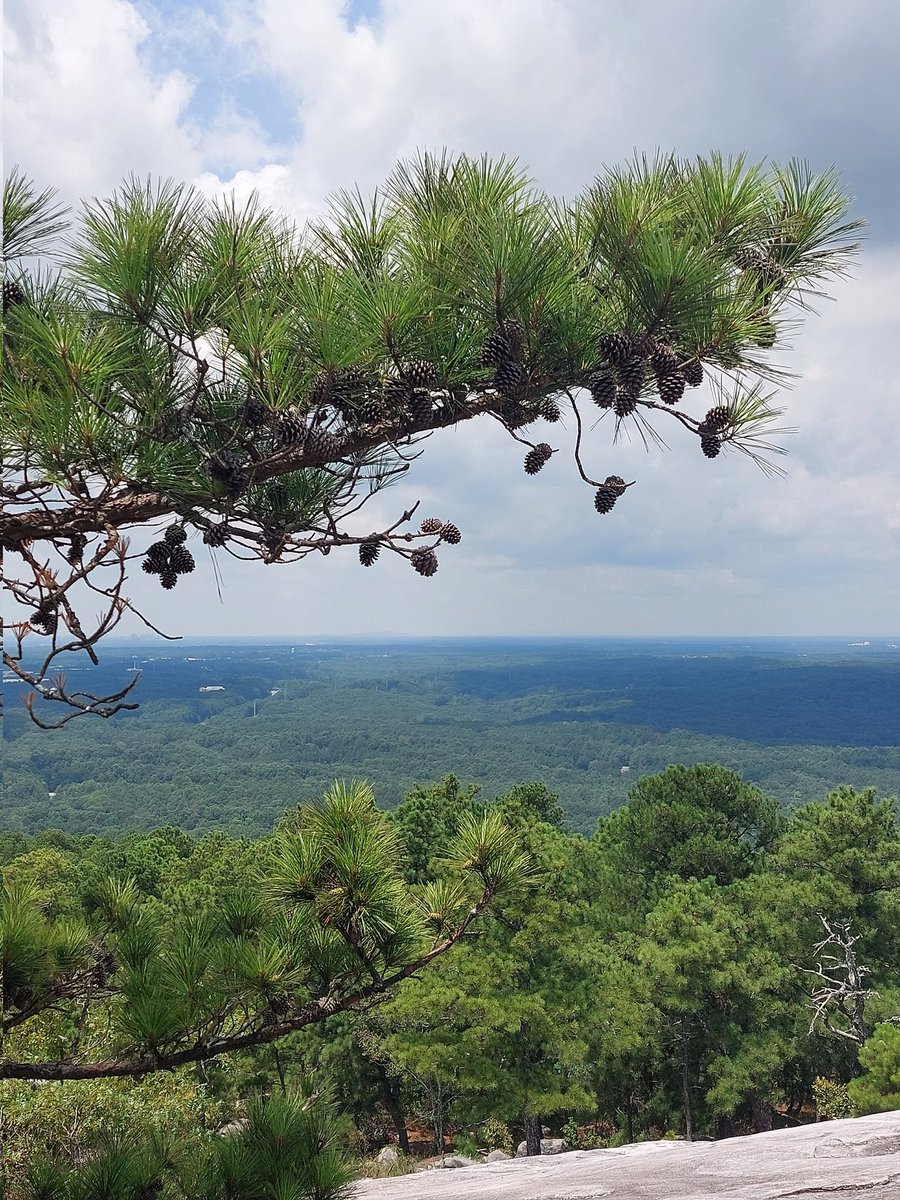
x,y
297,98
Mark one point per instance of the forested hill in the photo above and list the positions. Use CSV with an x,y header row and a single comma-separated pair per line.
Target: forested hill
x,y
587,718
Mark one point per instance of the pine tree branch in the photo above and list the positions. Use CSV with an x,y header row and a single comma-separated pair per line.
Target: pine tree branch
x,y
311,1013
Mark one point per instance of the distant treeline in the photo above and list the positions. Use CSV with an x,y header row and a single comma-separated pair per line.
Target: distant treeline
x,y
586,720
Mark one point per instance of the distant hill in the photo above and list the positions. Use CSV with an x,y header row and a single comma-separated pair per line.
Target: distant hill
x,y
230,735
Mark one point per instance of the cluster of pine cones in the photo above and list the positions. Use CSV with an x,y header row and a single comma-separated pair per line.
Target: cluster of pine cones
x,y
768,277
627,361
169,557
358,398
504,350
424,561
712,429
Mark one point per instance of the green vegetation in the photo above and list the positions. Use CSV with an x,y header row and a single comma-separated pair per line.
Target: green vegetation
x,y
795,721
662,975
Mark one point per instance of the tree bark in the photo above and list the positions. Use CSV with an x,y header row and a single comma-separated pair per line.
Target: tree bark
x,y
686,1084
391,1097
761,1112
533,1132
724,1127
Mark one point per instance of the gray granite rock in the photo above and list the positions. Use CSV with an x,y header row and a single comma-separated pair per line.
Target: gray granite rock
x,y
450,1161
548,1146
835,1160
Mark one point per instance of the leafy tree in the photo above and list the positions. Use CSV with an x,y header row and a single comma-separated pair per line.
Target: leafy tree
x,y
427,818
289,1146
213,368
714,974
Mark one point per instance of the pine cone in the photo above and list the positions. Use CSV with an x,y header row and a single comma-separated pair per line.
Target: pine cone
x,y
228,469
12,294
175,535
605,498
168,578
371,411
217,535
710,442
534,460
420,407
693,372
549,409
748,258
290,428
77,545
368,552
625,403
320,389
255,414
44,620
617,483
602,386
432,525
450,534
495,350
717,419
321,444
631,376
424,561
514,332
181,561
508,376
614,347
157,558
671,387
663,360
420,374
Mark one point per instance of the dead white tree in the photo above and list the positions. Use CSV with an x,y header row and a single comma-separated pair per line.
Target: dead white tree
x,y
841,989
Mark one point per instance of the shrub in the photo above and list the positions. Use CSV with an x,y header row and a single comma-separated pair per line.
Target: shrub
x,y
832,1099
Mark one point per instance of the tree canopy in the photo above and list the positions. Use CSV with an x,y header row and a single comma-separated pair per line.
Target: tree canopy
x,y
181,367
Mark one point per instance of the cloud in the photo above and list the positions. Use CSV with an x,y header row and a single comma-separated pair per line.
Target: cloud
x,y
82,110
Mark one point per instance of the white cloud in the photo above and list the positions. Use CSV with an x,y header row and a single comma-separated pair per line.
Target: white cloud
x,y
82,110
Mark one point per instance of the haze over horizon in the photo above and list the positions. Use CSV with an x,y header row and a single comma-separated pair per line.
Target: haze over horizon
x,y
297,99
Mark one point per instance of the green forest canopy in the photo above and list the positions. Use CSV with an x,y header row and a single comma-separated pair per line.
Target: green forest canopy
x,y
681,942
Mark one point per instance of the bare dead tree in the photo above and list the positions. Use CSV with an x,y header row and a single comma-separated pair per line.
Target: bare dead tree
x,y
841,990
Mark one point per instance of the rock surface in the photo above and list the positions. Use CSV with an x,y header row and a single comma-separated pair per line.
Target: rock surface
x,y
836,1160
450,1161
549,1145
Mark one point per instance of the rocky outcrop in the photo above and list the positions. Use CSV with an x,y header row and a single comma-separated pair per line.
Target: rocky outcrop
x,y
835,1160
